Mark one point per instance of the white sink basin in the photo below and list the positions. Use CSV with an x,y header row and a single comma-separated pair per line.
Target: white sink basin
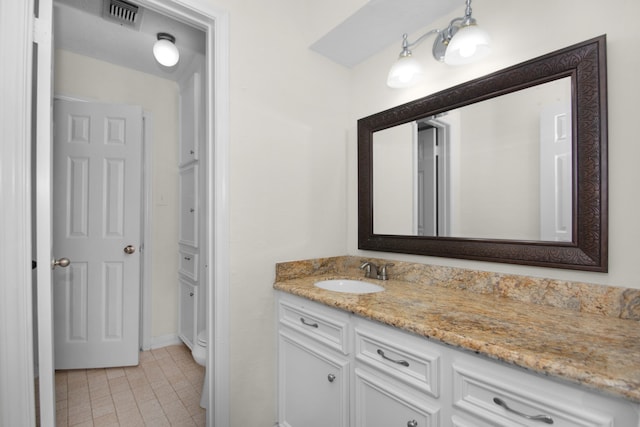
x,y
349,286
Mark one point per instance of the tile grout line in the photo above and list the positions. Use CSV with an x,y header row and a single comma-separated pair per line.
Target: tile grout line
x,y
99,397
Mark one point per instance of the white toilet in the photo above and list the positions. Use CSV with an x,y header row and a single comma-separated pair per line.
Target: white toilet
x,y
199,353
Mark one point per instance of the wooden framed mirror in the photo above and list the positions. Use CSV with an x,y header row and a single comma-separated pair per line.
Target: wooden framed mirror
x,y
510,167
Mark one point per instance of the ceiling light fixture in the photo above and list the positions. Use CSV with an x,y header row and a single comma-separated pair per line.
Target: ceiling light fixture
x,y
462,42
165,50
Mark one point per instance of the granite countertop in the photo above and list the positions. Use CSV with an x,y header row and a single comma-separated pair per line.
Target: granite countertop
x,y
598,352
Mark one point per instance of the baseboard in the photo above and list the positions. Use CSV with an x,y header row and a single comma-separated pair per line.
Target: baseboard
x,y
163,341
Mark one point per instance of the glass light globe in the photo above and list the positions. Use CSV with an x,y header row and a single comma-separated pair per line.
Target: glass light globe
x,y
469,44
166,53
406,72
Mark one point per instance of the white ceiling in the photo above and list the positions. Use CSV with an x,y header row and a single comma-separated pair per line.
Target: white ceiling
x,y
79,27
379,24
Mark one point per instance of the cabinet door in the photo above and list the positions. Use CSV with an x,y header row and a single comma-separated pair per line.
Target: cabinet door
x,y
189,206
313,385
379,403
188,299
190,109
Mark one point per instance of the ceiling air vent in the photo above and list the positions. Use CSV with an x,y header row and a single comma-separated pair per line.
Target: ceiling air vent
x,y
122,12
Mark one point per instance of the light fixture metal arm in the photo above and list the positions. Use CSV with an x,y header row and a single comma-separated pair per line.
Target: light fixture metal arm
x,y
448,32
406,44
452,25
467,10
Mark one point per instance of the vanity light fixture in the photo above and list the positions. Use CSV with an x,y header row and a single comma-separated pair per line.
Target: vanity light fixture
x,y
165,50
462,42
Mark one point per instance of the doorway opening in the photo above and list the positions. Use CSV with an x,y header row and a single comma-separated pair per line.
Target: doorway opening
x,y
432,214
213,24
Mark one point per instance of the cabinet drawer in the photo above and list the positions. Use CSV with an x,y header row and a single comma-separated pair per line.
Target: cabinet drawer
x,y
379,404
408,358
188,264
324,325
480,386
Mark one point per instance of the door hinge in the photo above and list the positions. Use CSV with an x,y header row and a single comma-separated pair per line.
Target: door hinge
x,y
42,30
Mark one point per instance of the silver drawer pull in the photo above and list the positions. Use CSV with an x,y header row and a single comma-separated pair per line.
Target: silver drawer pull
x,y
399,362
304,322
331,378
542,418
187,258
412,423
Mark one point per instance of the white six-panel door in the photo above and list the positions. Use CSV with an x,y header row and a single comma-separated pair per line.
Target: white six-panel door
x,y
555,173
97,198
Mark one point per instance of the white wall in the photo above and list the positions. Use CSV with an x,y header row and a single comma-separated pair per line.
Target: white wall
x,y
394,174
288,167
90,79
500,163
521,31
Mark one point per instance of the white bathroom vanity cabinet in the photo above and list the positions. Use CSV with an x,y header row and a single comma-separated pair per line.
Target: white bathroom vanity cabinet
x,y
339,369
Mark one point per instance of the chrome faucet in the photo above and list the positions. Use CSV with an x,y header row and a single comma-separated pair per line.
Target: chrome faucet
x,y
373,271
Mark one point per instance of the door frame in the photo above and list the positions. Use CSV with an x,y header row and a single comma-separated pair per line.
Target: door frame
x,y
18,32
17,400
444,178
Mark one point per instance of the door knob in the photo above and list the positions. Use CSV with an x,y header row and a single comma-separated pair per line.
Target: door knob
x,y
129,249
62,262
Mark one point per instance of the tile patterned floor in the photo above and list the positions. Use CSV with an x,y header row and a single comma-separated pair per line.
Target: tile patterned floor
x,y
163,390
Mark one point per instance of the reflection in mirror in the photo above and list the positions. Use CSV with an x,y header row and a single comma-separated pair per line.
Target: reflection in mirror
x,y
498,169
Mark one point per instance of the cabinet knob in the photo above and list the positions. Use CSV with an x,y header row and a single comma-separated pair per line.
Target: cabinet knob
x,y
190,294
331,378
412,423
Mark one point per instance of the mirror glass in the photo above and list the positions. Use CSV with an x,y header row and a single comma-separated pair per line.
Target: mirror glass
x,y
510,167
499,169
